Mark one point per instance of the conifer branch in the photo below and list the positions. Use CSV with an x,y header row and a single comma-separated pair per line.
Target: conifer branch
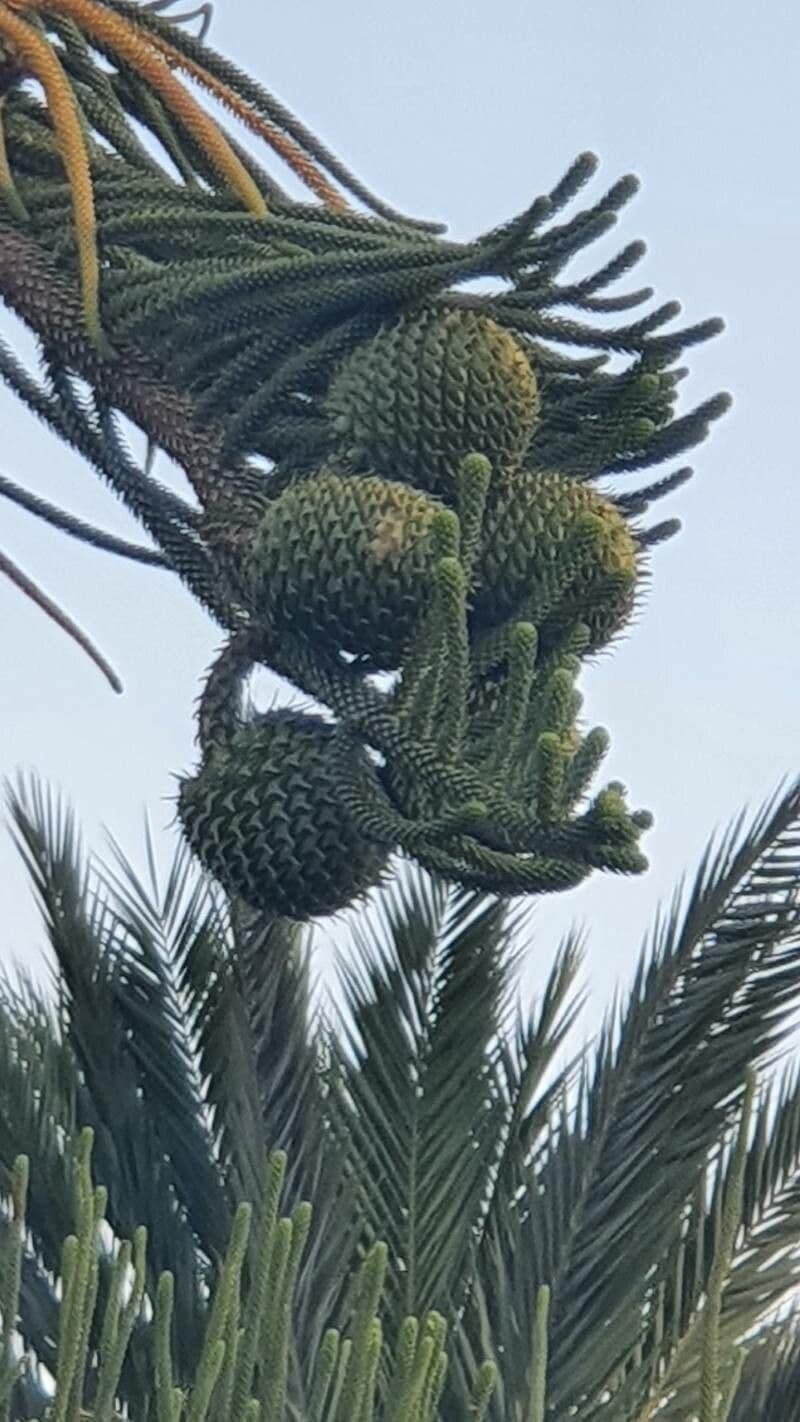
x,y
62,620
78,528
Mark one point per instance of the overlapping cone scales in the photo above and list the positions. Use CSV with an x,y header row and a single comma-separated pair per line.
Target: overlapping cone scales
x,y
347,562
557,552
531,572
429,390
265,815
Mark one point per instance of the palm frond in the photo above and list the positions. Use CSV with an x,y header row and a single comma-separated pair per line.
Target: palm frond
x,y
765,1269
149,921
711,996
770,1385
113,1020
525,1074
413,1098
216,1026
187,1026
531,1084
270,959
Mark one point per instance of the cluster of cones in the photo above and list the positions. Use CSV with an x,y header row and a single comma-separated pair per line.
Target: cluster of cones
x,y
426,550
427,556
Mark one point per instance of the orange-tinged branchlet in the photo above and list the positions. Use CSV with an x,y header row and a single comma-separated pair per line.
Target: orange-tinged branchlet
x,y
143,56
40,60
300,163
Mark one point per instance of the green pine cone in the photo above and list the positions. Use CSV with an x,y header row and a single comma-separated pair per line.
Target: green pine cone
x,y
348,563
265,817
424,393
556,552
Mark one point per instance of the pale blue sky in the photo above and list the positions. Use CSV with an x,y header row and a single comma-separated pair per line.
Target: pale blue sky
x,y
463,113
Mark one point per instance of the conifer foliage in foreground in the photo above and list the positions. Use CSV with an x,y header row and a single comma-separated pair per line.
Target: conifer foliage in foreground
x,y
616,1237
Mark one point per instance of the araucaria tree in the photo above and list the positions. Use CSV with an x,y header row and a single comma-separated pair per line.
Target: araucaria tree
x,y
398,509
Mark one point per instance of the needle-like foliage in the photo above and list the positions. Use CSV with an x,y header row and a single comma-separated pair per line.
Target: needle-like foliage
x,y
387,468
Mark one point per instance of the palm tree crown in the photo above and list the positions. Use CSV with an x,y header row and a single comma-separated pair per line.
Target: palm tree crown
x,y
431,1113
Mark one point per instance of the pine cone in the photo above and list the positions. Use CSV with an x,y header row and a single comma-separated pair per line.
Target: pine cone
x,y
267,816
558,553
422,394
347,562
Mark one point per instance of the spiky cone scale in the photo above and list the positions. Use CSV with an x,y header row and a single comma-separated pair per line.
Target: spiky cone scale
x,y
556,552
265,815
421,395
348,562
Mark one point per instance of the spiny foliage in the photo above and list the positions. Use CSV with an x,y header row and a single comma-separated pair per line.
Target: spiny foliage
x,y
465,820
243,1365
428,508
433,1116
243,1368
